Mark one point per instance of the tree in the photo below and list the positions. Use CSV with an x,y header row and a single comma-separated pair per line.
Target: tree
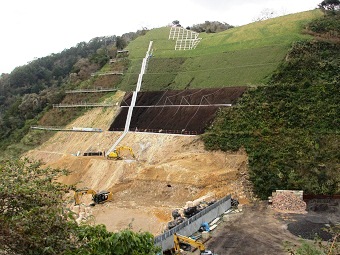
x,y
120,42
34,221
330,5
211,27
176,23
97,240
32,218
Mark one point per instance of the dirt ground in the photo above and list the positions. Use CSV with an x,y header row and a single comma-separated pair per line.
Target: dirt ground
x,y
168,171
259,229
256,230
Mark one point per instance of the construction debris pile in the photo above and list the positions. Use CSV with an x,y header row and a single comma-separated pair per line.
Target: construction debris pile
x,y
288,202
81,213
191,208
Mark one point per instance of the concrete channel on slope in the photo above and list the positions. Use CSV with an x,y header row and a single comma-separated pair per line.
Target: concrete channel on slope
x,y
133,101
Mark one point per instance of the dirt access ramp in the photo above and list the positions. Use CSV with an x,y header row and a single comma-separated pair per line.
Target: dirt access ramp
x,y
169,171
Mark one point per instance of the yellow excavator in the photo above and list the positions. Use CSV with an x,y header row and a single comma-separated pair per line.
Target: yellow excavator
x,y
117,153
97,198
183,239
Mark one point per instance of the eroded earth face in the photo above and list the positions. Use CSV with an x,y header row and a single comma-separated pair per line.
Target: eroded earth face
x,y
168,171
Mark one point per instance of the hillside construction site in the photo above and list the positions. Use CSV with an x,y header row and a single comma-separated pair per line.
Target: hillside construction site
x,y
168,171
165,168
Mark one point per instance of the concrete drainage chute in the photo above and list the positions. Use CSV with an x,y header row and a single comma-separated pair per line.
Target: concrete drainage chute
x,y
134,98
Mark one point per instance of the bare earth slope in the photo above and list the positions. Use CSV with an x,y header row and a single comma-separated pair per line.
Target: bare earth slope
x,y
168,172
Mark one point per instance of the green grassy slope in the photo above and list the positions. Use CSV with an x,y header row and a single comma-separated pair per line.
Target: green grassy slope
x,y
290,128
244,55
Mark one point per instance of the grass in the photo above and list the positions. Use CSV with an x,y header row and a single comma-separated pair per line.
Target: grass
x,y
290,128
245,55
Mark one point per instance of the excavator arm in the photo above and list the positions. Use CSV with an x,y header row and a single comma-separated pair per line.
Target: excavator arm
x,y
80,192
116,154
183,239
119,149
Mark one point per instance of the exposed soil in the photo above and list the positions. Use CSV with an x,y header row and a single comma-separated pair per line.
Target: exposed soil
x,y
254,231
169,171
171,111
258,229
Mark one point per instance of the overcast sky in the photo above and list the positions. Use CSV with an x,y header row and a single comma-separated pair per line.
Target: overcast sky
x,y
36,28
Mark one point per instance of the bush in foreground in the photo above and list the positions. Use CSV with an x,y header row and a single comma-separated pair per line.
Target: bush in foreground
x,y
34,221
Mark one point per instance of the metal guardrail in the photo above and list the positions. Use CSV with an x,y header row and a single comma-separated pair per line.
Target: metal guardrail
x,y
89,90
160,131
107,73
57,128
177,105
82,105
170,232
49,128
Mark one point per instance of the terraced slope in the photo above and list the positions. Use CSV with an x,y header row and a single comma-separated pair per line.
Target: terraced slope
x,y
171,170
244,55
168,171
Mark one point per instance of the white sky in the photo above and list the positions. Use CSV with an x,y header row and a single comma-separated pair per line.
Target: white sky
x,y
36,28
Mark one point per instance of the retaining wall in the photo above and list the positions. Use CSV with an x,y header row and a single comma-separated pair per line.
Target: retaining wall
x,y
191,225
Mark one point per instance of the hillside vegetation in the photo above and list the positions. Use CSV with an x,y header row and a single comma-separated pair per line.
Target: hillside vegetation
x,y
240,56
290,128
244,55
286,126
29,91
288,120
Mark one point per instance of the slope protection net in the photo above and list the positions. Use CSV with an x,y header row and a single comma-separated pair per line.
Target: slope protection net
x,y
176,111
185,39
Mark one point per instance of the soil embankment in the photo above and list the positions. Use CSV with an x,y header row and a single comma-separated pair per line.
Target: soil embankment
x,y
168,171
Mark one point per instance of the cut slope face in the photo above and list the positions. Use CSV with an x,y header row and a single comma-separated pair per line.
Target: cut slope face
x,y
169,171
177,111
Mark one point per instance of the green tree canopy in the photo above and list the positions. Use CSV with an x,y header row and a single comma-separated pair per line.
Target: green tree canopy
x,y
330,5
176,23
211,27
33,218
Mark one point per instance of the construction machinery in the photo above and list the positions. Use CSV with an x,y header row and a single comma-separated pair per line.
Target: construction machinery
x,y
117,153
97,198
178,239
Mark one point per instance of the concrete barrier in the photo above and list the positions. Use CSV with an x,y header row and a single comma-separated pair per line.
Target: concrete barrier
x,y
191,225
